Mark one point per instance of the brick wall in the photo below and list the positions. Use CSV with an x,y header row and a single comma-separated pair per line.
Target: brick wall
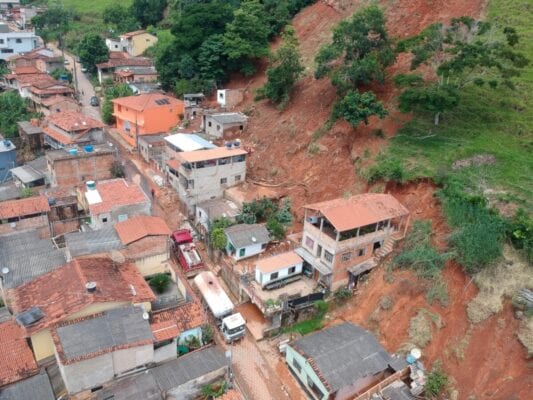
x,y
77,170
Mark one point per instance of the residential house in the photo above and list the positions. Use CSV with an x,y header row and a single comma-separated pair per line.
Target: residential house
x,y
278,269
152,149
246,240
8,158
147,241
193,103
146,114
203,175
9,4
16,42
36,387
73,166
220,125
70,128
342,362
63,215
25,214
136,43
145,87
346,237
228,99
41,58
57,104
112,201
16,358
121,61
30,175
183,142
88,243
80,288
93,350
31,134
210,210
179,379
139,74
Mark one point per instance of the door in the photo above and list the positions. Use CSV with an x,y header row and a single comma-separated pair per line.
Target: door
x,y
318,251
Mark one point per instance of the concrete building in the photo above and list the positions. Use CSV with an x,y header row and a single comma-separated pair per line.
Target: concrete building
x,y
9,4
70,128
80,288
183,142
16,42
73,166
152,148
112,201
246,240
36,387
278,268
134,43
203,175
224,125
210,210
93,350
30,175
342,362
228,99
25,214
345,238
41,58
31,134
63,215
8,158
57,104
119,61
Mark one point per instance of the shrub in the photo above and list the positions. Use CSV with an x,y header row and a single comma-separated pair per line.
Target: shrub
x,y
25,192
519,230
213,390
342,294
435,383
218,239
160,282
207,334
321,306
386,168
275,228
117,170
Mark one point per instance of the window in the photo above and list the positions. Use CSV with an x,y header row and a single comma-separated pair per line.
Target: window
x,y
209,124
274,275
240,158
7,51
292,270
104,220
223,181
119,108
328,256
190,184
242,252
1,41
361,253
296,365
218,127
346,257
237,178
309,243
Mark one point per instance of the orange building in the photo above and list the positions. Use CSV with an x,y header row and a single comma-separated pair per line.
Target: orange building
x,y
146,114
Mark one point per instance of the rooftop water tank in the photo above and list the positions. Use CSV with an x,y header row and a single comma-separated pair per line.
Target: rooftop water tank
x,y
236,143
89,148
91,185
228,145
73,152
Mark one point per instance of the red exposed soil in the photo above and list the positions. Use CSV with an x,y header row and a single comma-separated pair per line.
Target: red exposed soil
x,y
494,364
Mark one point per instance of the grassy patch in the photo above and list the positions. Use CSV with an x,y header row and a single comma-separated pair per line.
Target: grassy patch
x,y
420,327
92,6
313,324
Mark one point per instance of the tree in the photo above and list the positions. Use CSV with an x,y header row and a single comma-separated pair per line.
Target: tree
x,y
120,18
92,50
363,48
57,73
218,239
113,92
356,107
462,53
212,61
284,70
160,282
117,170
12,110
148,12
53,23
246,37
275,228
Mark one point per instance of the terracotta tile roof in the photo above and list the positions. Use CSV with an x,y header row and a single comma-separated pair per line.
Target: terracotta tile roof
x,y
277,262
39,79
115,193
169,324
148,100
210,154
59,137
125,62
134,33
16,357
26,70
50,101
148,246
57,89
62,292
141,226
22,207
360,210
114,55
72,121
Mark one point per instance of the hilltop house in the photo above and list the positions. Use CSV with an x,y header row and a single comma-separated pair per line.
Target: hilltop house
x,y
146,114
228,99
343,362
16,42
134,43
203,175
25,214
344,238
75,166
71,128
246,240
219,125
80,288
57,103
119,61
112,201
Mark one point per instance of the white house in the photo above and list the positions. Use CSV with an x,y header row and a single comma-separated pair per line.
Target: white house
x,y
16,42
246,240
277,268
7,4
210,210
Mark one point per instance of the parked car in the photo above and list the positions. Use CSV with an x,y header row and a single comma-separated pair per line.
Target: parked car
x,y
83,69
94,101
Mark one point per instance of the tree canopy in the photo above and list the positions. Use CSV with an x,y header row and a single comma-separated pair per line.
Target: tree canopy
x,y
357,107
148,12
12,110
113,92
120,18
92,50
54,22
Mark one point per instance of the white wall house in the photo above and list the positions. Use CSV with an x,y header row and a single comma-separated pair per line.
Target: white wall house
x,y
246,240
278,267
14,42
113,44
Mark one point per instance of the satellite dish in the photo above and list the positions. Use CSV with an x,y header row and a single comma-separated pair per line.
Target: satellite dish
x,y
146,316
5,270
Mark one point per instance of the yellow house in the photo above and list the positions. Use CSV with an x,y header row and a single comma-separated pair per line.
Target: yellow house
x,y
81,287
135,43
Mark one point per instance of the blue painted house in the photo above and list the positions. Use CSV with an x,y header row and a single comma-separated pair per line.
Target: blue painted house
x,y
8,158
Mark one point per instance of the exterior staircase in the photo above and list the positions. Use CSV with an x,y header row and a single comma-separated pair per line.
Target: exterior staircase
x,y
385,249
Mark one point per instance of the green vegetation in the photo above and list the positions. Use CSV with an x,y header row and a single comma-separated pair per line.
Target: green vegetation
x,y
12,110
25,193
160,282
214,390
92,50
277,217
208,334
148,12
59,72
284,70
93,6
436,382
113,92
54,22
313,324
117,170
217,237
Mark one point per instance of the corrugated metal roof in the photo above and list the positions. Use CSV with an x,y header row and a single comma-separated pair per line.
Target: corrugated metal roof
x,y
93,242
243,235
189,142
36,387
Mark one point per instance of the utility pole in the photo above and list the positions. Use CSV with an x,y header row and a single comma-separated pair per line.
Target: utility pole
x,y
75,74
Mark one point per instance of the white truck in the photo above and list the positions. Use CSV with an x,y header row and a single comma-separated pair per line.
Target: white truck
x,y
232,325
